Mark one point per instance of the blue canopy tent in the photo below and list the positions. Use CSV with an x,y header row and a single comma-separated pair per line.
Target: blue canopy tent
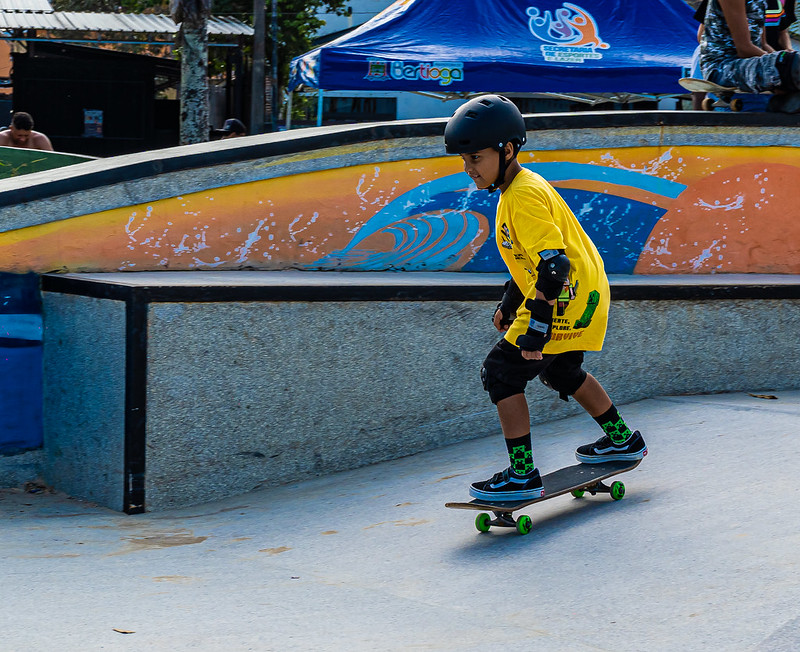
x,y
521,46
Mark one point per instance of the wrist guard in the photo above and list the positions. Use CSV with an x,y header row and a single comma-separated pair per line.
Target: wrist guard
x,y
540,327
512,300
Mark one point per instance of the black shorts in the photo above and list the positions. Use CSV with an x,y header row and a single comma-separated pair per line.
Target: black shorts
x,y
506,373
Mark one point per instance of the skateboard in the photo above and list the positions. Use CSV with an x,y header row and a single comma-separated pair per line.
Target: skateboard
x,y
576,479
724,94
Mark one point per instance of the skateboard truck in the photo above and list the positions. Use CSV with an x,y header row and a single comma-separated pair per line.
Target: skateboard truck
x,y
616,489
724,101
483,522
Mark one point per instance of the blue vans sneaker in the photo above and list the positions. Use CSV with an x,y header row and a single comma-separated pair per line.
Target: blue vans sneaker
x,y
604,450
507,485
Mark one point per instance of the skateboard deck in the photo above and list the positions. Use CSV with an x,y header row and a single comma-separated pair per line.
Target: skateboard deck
x,y
705,86
724,94
576,479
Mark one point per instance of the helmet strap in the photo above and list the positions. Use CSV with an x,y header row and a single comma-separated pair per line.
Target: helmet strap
x,y
501,175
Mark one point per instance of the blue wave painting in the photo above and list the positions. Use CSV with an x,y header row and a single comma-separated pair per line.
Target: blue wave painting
x,y
432,225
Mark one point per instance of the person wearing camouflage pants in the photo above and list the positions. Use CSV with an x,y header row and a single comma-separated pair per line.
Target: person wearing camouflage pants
x,y
731,53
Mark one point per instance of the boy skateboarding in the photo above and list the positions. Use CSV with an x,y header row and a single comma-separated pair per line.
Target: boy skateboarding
x,y
554,308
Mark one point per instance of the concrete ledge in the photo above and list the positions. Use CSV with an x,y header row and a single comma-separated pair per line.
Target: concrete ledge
x,y
165,389
191,157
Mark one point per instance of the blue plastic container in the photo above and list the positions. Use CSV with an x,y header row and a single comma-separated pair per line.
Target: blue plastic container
x,y
20,363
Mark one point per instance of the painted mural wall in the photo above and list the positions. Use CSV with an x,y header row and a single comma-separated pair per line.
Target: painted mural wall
x,y
15,162
650,210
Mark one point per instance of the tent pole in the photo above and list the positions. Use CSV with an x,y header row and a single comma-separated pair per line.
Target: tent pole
x,y
289,111
319,108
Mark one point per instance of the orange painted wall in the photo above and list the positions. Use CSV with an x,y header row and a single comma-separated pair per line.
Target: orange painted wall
x,y
651,210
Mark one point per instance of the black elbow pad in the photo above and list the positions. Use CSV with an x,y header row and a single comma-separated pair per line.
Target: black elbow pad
x,y
552,273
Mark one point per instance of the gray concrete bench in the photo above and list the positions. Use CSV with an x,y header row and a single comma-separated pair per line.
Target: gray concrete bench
x,y
165,389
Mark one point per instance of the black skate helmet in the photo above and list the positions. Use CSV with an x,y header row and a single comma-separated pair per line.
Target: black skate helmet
x,y
485,121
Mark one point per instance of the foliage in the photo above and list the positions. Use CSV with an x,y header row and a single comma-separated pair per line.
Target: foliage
x,y
114,6
297,25
192,15
297,20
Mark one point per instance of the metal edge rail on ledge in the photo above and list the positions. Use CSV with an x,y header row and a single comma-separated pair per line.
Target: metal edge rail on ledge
x,y
395,286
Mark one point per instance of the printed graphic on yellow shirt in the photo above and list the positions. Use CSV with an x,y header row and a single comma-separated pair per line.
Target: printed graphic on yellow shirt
x,y
505,238
567,294
591,306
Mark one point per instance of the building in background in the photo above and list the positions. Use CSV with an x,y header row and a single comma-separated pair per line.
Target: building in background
x,y
103,84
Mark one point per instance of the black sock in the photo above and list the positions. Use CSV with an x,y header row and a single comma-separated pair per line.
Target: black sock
x,y
614,426
520,451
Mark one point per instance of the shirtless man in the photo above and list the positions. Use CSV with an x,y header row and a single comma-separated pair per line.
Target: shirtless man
x,y
21,134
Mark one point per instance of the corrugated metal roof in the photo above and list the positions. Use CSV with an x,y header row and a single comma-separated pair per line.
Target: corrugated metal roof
x,y
25,5
73,21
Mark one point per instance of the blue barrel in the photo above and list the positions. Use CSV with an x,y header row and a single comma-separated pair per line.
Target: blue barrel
x,y
20,363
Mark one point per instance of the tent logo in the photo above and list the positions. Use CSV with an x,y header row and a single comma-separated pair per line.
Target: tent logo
x,y
443,72
571,36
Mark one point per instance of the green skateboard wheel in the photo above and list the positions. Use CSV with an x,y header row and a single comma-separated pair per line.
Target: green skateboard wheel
x,y
482,522
617,490
524,524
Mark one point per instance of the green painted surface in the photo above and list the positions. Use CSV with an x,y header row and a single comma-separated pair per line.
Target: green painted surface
x,y
15,162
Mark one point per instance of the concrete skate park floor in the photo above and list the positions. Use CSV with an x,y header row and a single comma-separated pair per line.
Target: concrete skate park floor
x,y
700,555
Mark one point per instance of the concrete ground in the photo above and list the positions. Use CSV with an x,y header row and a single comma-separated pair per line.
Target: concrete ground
x,y
702,554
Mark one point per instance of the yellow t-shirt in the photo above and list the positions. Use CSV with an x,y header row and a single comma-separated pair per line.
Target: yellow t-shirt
x,y
531,218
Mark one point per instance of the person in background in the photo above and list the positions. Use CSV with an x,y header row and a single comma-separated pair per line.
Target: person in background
x,y
232,128
780,15
21,134
734,53
696,73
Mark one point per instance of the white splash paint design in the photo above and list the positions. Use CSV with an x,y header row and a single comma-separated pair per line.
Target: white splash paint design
x,y
587,208
129,227
181,247
714,249
197,262
252,238
737,203
362,191
293,233
291,226
201,241
654,167
662,249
